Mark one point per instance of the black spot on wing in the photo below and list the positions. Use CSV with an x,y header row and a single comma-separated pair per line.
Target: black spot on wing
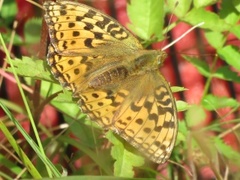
x,y
88,43
102,24
90,14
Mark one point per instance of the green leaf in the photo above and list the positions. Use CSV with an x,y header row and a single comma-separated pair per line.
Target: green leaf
x,y
211,20
195,115
183,129
226,73
178,89
64,102
179,8
236,31
125,160
203,3
236,4
228,12
182,106
231,55
70,108
202,66
32,68
211,102
146,17
215,39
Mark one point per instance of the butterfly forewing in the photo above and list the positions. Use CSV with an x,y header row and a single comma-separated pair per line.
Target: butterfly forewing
x,y
117,81
88,29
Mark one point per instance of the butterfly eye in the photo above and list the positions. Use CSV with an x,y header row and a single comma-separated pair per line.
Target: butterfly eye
x,y
161,57
159,60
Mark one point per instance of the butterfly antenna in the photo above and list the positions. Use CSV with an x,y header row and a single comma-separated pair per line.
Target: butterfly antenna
x,y
184,34
35,3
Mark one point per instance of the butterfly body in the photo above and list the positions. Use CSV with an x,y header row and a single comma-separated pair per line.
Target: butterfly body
x,y
118,83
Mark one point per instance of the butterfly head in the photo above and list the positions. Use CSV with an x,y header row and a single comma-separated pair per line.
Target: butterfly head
x,y
161,56
149,60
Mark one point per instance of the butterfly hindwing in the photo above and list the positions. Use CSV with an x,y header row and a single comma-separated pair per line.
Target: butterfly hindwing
x,y
142,111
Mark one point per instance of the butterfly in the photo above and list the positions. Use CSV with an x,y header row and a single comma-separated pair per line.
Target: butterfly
x,y
117,81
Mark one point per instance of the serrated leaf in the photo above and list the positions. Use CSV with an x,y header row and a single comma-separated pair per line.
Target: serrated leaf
x,y
179,7
211,102
231,55
125,160
227,74
227,151
31,68
146,17
202,66
211,20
